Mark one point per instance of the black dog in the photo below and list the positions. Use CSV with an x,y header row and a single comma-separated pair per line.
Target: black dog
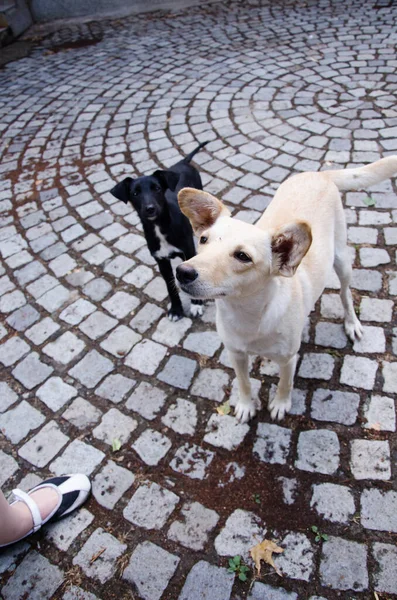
x,y
168,232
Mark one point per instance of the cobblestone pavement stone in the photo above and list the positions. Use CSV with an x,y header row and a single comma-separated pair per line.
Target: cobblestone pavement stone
x,y
89,361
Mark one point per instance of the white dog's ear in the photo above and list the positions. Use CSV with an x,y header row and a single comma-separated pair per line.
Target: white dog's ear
x,y
289,245
200,208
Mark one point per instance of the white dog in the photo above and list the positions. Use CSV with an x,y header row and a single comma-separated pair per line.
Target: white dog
x,y
266,278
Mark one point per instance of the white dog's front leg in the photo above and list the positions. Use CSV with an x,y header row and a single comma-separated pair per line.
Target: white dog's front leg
x,y
245,407
281,402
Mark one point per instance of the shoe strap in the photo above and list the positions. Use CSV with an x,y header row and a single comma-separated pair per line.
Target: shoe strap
x,y
32,506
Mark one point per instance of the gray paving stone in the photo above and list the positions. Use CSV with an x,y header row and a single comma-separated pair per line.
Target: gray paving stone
x,y
82,414
150,569
64,532
119,266
331,306
35,578
263,590
62,265
389,372
379,510
42,331
31,371
55,298
79,277
129,243
335,406
181,417
8,467
225,432
77,311
41,448
358,371
146,400
370,459
12,350
115,425
344,565
97,324
139,277
115,388
380,414
297,560
111,483
192,461
55,393
17,422
150,506
92,369
77,458
374,309
156,289
120,341
145,357
169,332
289,488
11,301
317,366
151,446
318,451
10,555
272,443
242,531
333,502
65,348
105,567
97,255
76,593
330,335
373,340
386,576
178,372
7,396
205,343
210,384
197,522
97,289
145,317
121,304
207,582
23,318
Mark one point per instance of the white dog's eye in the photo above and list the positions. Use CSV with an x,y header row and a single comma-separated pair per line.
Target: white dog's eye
x,y
203,239
242,257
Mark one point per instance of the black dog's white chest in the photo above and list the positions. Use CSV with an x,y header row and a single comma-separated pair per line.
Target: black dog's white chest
x,y
166,249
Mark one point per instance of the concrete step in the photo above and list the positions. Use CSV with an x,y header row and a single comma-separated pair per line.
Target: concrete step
x,y
15,15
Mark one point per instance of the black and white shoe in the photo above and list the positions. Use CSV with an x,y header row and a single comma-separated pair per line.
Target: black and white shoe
x,y
73,491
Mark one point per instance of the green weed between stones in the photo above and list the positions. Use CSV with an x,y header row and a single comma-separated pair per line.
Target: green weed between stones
x,y
319,535
236,567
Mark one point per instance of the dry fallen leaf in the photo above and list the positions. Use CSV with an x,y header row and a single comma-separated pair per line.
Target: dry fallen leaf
x,y
264,551
223,409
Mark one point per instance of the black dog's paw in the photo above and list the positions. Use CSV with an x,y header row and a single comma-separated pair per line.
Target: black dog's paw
x,y
175,314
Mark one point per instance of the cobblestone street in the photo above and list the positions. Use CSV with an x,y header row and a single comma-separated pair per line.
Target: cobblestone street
x,y
96,379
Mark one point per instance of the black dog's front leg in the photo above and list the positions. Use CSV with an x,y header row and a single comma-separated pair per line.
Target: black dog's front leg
x,y
196,306
176,311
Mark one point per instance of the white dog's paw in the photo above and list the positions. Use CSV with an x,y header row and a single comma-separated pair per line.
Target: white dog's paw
x,y
196,310
354,329
278,407
244,411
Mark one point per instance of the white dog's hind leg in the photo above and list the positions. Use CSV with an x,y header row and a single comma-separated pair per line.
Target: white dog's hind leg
x,y
281,402
245,407
343,270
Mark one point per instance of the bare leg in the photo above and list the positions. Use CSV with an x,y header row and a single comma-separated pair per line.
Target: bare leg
x,y
16,521
245,407
343,270
281,403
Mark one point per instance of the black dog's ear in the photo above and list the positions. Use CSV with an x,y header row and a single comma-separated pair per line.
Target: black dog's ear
x,y
168,179
121,191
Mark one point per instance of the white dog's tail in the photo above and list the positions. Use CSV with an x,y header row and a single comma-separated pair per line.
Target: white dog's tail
x,y
363,177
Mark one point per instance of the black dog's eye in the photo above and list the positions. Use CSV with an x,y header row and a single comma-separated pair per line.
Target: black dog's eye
x,y
135,193
203,239
157,188
242,257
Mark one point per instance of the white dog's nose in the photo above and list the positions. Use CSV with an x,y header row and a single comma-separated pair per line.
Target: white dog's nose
x,y
186,274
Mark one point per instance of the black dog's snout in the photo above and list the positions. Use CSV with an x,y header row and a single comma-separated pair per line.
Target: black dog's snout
x,y
186,274
150,210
